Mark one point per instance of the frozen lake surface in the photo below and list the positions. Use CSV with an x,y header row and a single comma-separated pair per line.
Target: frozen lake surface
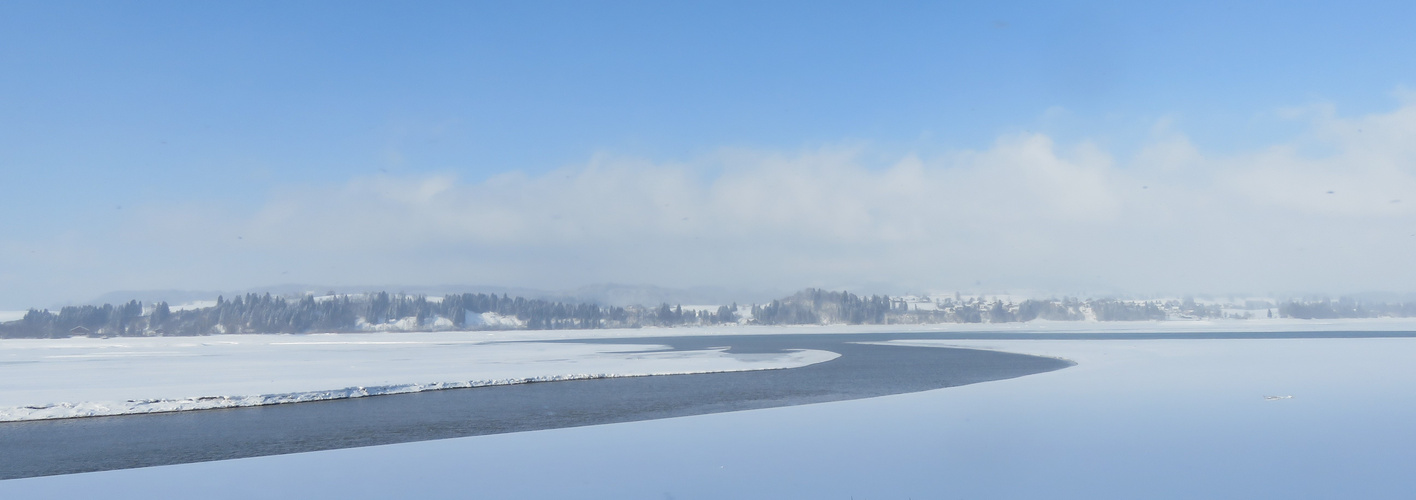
x,y
1153,418
45,447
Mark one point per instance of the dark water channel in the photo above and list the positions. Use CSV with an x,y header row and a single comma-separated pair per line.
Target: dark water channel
x,y
40,448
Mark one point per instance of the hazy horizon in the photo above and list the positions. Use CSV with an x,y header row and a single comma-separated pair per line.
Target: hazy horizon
x,y
1065,149
622,294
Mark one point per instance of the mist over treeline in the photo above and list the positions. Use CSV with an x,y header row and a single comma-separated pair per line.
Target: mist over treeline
x,y
264,313
381,311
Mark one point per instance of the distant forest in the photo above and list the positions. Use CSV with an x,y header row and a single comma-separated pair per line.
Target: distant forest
x,y
382,311
254,313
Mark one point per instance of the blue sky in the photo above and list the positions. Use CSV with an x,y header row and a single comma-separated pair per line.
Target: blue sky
x,y
113,115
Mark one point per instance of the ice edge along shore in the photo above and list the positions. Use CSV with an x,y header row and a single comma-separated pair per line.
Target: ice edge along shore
x,y
795,358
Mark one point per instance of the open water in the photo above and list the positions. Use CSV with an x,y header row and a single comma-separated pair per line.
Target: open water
x,y
39,448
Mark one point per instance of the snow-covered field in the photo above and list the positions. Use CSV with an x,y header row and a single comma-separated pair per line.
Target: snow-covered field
x,y
1134,419
83,377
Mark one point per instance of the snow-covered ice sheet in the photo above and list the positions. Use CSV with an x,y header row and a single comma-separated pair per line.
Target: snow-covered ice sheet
x,y
1134,419
86,377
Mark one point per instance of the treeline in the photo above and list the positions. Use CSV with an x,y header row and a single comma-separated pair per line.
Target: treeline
x,y
982,310
254,313
815,306
381,311
121,320
1345,308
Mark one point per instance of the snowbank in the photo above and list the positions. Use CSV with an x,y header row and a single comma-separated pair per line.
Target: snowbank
x,y
75,377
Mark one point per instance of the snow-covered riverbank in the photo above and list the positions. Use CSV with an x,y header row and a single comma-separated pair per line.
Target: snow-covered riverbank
x,y
1134,419
58,378
75,377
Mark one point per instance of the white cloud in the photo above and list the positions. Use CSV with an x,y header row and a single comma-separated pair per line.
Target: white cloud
x,y
1368,169
1025,212
823,197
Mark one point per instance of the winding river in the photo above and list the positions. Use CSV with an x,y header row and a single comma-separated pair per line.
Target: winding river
x,y
48,447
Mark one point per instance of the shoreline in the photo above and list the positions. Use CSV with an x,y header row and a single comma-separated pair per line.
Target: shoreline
x,y
65,446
